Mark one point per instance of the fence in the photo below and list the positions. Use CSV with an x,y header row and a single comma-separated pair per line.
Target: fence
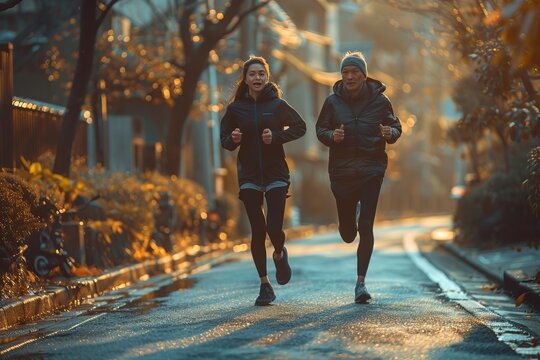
x,y
29,128
36,128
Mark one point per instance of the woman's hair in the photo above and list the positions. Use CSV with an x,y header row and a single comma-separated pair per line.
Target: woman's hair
x,y
241,86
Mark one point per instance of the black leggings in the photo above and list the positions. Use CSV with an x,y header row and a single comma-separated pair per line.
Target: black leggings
x,y
368,196
273,224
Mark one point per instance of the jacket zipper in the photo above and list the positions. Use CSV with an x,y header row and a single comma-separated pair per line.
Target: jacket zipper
x,y
259,144
356,118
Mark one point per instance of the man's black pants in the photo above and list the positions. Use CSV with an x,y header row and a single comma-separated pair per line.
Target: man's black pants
x,y
350,222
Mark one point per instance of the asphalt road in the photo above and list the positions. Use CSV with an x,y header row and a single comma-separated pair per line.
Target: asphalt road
x,y
210,313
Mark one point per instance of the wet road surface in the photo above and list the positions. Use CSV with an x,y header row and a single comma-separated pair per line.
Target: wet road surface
x,y
210,313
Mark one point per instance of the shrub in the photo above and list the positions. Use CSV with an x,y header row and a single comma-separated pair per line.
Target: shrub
x,y
128,209
229,210
189,199
533,180
17,199
495,212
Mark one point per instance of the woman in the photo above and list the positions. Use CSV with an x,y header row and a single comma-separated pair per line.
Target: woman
x,y
259,122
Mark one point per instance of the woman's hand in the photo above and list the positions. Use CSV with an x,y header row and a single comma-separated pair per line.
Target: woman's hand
x,y
267,136
236,136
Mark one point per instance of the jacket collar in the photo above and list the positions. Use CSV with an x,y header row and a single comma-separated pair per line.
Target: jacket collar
x,y
372,88
269,92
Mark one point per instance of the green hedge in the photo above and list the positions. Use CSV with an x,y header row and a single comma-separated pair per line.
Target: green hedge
x,y
496,212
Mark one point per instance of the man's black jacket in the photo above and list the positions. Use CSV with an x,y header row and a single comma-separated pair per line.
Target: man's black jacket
x,y
362,152
258,162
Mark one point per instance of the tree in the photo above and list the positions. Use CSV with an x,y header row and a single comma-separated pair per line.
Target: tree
x,y
418,86
498,47
167,69
468,97
8,4
93,12
520,21
199,38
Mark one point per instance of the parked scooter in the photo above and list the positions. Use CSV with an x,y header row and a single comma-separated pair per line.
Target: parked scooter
x,y
46,247
165,221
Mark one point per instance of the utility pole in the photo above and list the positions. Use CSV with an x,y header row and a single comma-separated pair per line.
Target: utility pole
x,y
202,143
203,173
219,172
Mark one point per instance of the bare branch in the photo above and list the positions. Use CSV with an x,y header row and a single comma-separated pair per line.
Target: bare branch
x,y
230,13
8,4
177,65
104,12
158,13
241,17
184,28
482,6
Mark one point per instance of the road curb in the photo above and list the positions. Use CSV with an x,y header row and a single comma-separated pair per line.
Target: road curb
x,y
514,281
58,297
463,255
518,282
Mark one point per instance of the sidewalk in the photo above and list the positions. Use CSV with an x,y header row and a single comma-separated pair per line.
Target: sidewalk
x,y
514,267
70,293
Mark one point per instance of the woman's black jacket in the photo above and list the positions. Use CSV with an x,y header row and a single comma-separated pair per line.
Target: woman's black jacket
x,y
258,162
362,152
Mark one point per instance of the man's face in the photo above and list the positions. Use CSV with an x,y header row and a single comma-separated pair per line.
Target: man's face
x,y
353,78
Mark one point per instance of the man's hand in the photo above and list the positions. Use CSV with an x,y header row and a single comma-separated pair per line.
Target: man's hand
x,y
267,136
236,136
339,134
386,131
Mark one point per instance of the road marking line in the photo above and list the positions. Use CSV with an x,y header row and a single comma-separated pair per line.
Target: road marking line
x,y
450,288
506,332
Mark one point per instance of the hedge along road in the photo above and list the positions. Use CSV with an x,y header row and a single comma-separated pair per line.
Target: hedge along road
x,y
415,312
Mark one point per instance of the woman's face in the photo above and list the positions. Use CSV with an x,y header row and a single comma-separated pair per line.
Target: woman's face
x,y
256,78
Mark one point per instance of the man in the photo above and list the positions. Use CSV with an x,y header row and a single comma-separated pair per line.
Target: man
x,y
356,122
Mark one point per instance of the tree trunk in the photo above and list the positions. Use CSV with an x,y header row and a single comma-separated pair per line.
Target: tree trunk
x,y
70,122
473,152
181,110
506,151
8,4
96,109
527,84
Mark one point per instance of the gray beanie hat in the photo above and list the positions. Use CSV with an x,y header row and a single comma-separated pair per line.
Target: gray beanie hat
x,y
354,58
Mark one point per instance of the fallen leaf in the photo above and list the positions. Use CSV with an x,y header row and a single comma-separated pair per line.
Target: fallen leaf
x,y
520,298
531,343
490,287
